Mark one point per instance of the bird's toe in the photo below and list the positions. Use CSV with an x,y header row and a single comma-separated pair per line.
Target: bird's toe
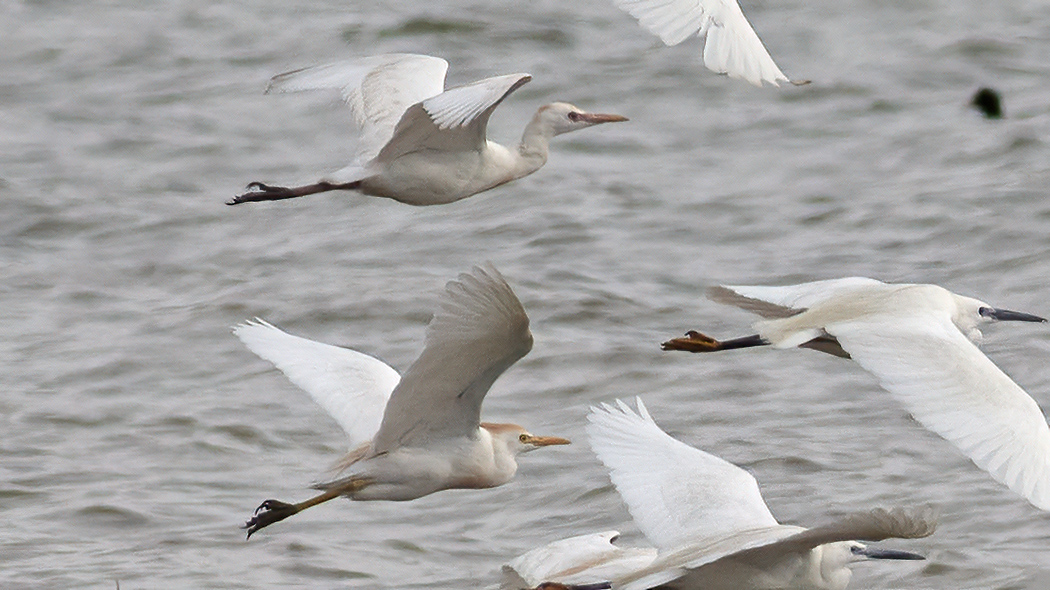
x,y
693,342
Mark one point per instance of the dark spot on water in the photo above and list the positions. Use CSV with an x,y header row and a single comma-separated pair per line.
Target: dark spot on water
x,y
426,26
404,545
111,516
350,34
329,573
988,102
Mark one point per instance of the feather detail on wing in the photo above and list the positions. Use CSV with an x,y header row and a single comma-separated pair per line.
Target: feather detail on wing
x,y
673,491
953,389
581,559
455,120
351,386
732,46
378,89
769,544
479,331
786,301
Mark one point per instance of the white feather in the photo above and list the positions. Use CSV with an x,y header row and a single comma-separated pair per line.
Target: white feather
x,y
582,559
672,490
732,46
351,386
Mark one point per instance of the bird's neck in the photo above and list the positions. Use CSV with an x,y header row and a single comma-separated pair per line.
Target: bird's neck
x,y
535,142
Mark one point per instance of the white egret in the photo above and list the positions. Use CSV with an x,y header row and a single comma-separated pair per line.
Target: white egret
x,y
712,527
918,341
732,46
419,143
419,434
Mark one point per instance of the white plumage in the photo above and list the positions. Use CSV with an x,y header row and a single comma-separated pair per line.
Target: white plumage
x,y
732,46
421,433
711,525
417,142
919,342
576,560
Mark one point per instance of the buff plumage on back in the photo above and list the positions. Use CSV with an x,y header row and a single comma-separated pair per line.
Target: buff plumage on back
x,y
479,331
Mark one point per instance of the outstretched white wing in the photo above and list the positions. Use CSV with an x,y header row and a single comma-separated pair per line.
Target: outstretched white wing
x,y
953,389
351,386
378,89
453,121
732,46
673,491
479,331
582,559
772,544
780,302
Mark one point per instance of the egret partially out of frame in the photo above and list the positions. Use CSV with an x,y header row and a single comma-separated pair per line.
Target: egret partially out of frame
x,y
918,341
419,143
713,530
732,46
421,433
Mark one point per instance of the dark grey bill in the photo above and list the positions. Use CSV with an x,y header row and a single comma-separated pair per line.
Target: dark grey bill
x,y
1005,315
876,553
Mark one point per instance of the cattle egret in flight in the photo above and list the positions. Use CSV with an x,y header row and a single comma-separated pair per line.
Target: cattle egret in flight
x,y
419,143
918,341
732,46
419,434
713,530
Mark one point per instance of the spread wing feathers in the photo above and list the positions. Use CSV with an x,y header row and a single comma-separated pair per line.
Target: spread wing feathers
x,y
770,544
949,386
576,560
786,301
478,332
701,551
732,46
378,89
673,491
351,386
872,525
455,120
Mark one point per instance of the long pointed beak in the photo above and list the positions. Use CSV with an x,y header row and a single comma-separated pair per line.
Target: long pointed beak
x,y
1005,315
546,441
560,586
595,118
876,553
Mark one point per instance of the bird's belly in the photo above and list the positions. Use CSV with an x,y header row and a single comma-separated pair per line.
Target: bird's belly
x,y
408,474
433,178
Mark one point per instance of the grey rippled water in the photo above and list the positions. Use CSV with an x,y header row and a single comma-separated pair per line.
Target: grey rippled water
x,y
138,433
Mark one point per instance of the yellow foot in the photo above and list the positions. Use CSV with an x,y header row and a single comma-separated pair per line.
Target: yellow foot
x,y
693,342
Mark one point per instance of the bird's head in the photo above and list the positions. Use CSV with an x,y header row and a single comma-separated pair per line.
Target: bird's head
x,y
518,440
971,313
562,117
834,559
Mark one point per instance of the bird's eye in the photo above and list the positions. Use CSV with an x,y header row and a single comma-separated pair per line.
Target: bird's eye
x,y
574,116
524,438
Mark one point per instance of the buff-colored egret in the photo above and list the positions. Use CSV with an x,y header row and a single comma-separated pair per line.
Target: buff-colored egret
x,y
711,526
421,433
918,341
419,143
732,46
